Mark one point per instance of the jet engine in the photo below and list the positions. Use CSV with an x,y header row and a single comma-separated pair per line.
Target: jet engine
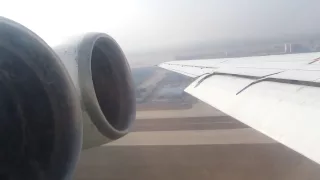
x,y
102,77
53,101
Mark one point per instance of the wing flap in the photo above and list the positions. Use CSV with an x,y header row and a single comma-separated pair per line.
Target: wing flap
x,y
285,112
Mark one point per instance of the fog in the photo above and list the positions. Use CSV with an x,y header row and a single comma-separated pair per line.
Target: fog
x,y
144,25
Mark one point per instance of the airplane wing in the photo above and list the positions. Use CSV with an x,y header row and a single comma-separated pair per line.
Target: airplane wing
x,y
278,95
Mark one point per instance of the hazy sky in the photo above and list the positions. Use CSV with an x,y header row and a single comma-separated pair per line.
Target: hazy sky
x,y
150,24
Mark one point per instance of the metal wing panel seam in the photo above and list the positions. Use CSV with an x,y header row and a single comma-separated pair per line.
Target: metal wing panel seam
x,y
224,74
183,65
257,81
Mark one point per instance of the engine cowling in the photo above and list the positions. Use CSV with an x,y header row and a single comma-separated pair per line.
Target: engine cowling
x,y
102,77
53,101
40,126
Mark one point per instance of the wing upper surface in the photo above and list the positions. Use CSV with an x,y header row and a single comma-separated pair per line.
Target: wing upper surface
x,y
278,96
245,65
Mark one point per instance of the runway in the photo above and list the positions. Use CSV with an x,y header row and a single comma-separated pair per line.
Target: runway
x,y
203,162
188,123
187,148
199,109
191,131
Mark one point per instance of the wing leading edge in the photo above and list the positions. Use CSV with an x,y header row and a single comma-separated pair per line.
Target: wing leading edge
x,y
276,95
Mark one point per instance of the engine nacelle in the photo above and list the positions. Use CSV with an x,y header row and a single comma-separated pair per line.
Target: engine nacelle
x,y
102,77
40,125
50,100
